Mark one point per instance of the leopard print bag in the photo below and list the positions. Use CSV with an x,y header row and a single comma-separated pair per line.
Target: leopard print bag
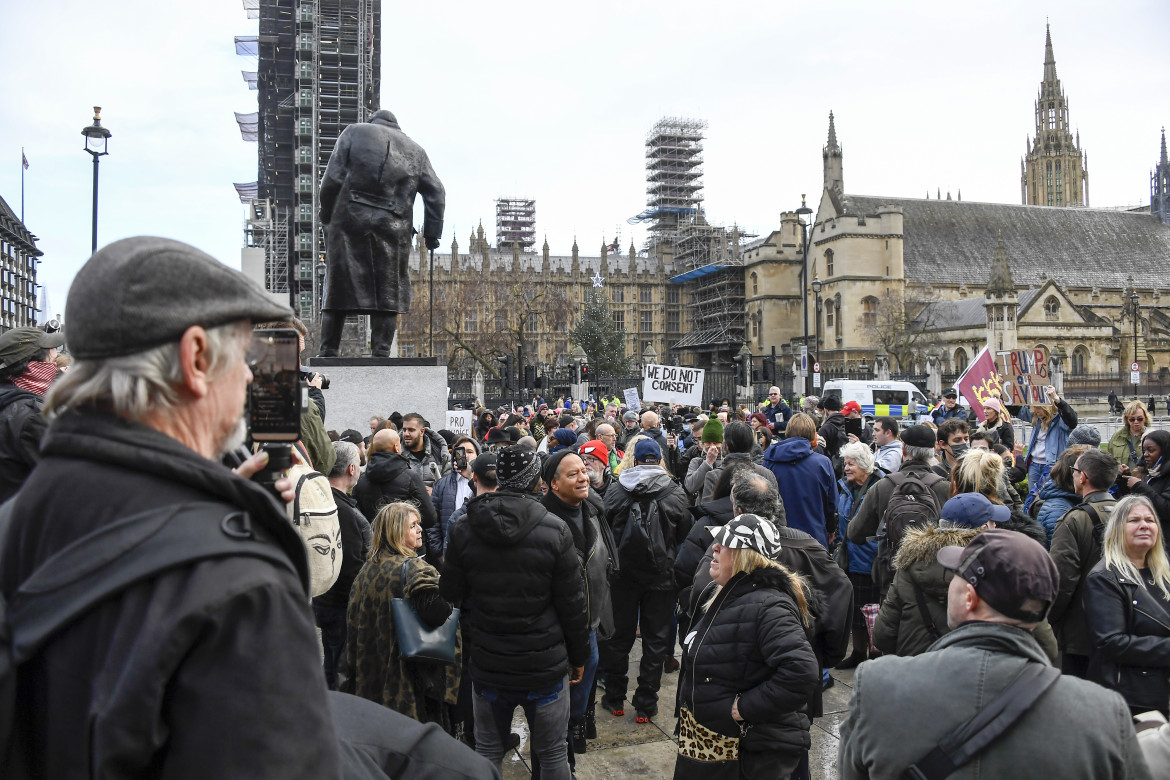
x,y
699,743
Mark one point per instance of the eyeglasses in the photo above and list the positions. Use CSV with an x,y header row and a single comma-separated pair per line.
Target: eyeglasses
x,y
1074,468
1137,419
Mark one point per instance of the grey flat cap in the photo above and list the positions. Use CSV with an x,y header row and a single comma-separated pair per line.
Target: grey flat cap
x,y
141,292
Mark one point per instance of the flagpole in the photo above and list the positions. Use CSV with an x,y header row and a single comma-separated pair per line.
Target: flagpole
x,y
22,159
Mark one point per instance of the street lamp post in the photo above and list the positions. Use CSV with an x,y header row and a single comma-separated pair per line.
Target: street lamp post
x,y
801,213
1133,298
96,140
816,287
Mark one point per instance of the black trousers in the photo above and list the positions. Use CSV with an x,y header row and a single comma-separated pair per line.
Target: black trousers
x,y
635,604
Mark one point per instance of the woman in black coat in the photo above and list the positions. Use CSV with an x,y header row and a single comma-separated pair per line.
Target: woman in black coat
x,y
1127,608
1156,486
750,666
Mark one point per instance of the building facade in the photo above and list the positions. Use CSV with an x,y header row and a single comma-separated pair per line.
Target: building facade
x,y
1054,171
1160,185
488,301
19,257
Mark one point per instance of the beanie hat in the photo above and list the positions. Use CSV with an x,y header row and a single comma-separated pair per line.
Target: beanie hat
x,y
597,449
1085,434
516,468
713,431
548,469
565,437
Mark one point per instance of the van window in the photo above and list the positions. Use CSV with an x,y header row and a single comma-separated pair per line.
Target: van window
x,y
895,397
834,391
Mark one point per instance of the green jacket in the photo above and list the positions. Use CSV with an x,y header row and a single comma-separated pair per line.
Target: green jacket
x,y
901,628
1076,552
901,708
316,440
1119,447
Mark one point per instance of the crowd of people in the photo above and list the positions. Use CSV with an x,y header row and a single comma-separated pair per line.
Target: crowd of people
x,y
430,583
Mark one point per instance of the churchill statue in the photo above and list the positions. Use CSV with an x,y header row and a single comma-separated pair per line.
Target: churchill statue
x,y
367,208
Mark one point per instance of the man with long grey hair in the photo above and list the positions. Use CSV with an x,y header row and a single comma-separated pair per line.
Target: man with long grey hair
x,y
209,668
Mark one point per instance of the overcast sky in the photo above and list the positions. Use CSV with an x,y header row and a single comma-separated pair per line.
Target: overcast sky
x,y
552,101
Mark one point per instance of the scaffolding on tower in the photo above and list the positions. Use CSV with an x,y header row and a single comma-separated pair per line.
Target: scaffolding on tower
x,y
516,223
674,177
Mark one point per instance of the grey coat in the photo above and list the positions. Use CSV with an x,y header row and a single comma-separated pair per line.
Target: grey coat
x,y
367,205
902,707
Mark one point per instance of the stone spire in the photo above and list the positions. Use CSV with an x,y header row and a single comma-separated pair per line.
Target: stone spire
x,y
576,267
1160,186
1164,160
1056,168
1000,281
1049,59
834,178
545,267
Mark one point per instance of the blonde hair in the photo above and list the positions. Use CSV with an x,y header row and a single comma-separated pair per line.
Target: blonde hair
x,y
1137,406
627,460
1114,545
979,471
390,527
747,560
801,425
1045,412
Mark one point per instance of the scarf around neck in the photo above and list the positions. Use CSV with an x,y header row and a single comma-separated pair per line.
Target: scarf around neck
x,y
37,377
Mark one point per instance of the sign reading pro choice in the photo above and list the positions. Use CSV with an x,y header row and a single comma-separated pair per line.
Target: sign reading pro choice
x,y
673,384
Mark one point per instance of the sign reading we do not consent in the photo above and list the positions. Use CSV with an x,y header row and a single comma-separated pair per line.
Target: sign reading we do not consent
x,y
673,384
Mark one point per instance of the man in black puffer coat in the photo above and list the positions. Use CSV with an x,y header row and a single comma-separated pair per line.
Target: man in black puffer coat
x,y
388,478
515,568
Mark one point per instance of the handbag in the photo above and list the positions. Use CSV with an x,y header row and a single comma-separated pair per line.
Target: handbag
x,y
416,642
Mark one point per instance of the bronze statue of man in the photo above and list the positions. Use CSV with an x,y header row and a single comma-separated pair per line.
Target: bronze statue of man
x,y
367,207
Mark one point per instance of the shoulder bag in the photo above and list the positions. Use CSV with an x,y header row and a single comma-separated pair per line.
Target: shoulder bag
x,y
416,642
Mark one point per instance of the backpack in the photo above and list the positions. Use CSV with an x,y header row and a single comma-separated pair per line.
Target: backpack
x,y
313,514
642,554
913,504
80,576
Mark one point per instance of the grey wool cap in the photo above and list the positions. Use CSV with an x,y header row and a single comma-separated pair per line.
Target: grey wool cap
x,y
138,293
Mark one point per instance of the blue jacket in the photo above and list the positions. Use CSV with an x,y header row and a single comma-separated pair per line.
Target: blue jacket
x,y
1058,431
443,497
860,555
808,487
941,413
783,412
1056,503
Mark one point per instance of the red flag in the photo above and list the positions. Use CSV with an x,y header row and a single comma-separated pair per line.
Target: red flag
x,y
24,160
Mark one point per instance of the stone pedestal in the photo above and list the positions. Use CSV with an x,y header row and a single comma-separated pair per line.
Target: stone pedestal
x,y
362,387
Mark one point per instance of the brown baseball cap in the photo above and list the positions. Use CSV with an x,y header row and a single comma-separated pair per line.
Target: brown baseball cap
x,y
1010,571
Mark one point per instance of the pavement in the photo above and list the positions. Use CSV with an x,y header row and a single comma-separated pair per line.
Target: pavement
x,y
625,749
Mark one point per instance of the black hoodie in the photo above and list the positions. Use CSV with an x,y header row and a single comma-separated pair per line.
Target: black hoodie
x,y
388,477
515,568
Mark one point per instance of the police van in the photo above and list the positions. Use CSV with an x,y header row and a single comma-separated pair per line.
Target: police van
x,y
879,399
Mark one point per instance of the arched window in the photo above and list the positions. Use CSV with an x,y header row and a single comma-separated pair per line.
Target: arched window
x,y
960,359
1051,308
829,312
869,307
1080,361
828,262
755,283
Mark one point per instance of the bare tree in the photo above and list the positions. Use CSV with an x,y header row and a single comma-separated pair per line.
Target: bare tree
x,y
904,324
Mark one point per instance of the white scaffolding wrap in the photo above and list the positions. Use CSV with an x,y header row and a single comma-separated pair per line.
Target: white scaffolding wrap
x,y
246,190
250,78
248,45
249,125
252,8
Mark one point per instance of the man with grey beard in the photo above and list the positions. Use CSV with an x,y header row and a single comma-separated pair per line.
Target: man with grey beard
x,y
206,669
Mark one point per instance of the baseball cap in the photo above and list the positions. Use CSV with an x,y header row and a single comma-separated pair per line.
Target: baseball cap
x,y
483,465
138,293
1011,572
851,406
352,436
647,450
630,416
950,392
597,449
972,510
919,436
20,344
747,530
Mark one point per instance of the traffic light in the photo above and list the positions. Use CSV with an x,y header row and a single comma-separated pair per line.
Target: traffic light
x,y
505,371
530,376
770,369
742,369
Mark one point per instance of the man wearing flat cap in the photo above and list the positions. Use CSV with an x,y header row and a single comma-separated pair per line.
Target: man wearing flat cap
x,y
26,371
904,709
206,669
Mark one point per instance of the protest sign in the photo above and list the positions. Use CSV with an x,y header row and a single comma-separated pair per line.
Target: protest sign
x,y
460,422
673,384
980,381
1025,376
632,402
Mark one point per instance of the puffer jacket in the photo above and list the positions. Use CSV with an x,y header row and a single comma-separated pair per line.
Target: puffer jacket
x,y
751,643
514,566
593,553
433,462
1057,501
808,486
1129,623
388,478
849,500
1156,488
1075,550
832,433
443,499
901,627
643,484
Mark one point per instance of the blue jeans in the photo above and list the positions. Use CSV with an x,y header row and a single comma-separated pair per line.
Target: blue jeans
x,y
579,693
1037,473
547,712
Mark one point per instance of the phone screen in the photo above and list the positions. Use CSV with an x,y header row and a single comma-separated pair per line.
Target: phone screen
x,y
853,425
274,397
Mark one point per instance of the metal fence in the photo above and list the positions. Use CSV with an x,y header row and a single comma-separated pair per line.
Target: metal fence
x,y
1156,383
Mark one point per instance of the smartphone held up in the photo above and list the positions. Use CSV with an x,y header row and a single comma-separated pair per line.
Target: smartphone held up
x,y
276,397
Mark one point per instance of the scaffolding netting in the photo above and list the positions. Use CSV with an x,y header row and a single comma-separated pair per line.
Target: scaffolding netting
x,y
249,125
248,45
250,77
246,190
252,8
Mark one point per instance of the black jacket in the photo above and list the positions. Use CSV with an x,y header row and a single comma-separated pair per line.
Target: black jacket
x,y
21,429
356,536
1130,629
388,477
1157,489
1076,549
832,433
167,679
644,483
593,543
514,566
751,643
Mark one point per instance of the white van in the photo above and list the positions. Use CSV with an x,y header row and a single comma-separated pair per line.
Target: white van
x,y
879,399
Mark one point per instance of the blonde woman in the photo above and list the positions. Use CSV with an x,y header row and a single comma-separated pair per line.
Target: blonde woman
x,y
1127,607
750,669
376,670
1126,443
627,460
1051,424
